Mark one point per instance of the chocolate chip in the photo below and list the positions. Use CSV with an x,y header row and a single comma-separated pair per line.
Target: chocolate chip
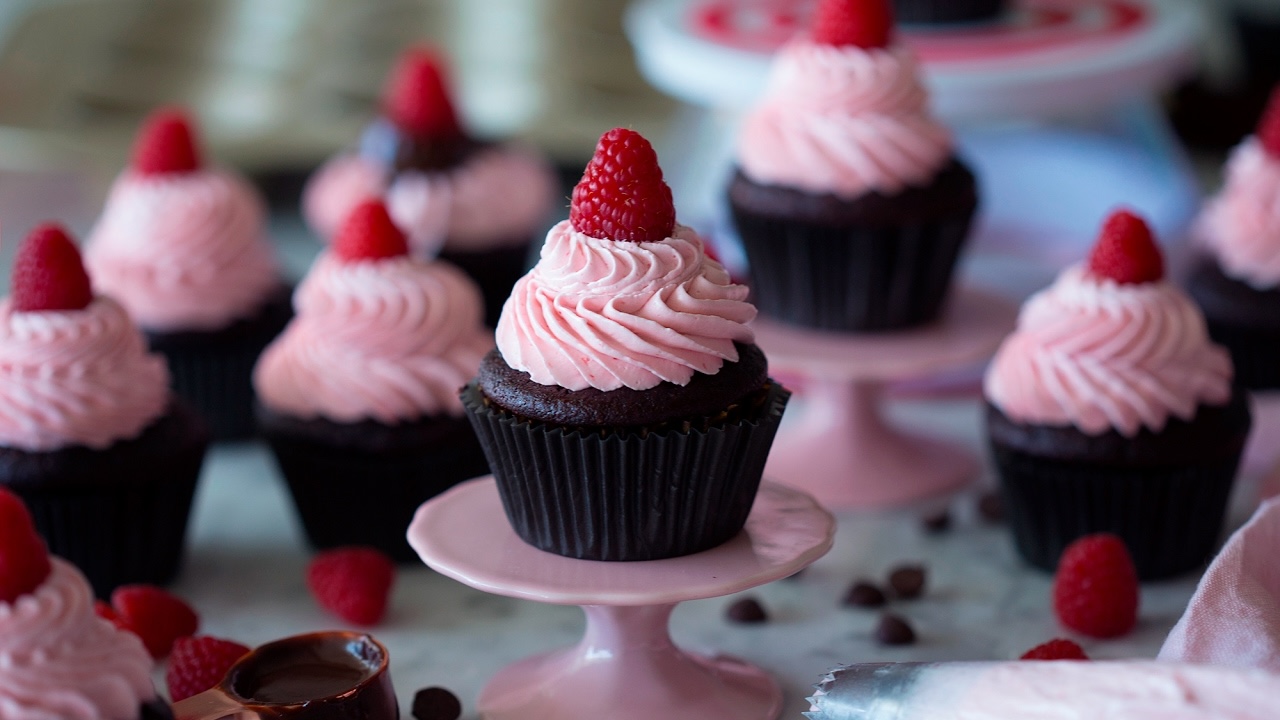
x,y
991,507
907,581
894,630
436,703
864,594
748,610
936,523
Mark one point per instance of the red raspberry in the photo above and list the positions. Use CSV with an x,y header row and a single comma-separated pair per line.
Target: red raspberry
x,y
1095,591
369,234
1269,125
861,23
198,663
417,98
106,612
24,561
166,144
353,583
156,616
48,273
1058,649
622,195
1126,252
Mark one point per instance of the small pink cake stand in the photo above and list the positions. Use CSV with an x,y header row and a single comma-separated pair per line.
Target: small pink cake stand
x,y
626,666
841,450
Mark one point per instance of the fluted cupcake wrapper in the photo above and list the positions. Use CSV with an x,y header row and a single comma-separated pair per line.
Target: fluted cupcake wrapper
x,y
623,495
119,514
1255,353
350,496
933,12
1171,518
851,279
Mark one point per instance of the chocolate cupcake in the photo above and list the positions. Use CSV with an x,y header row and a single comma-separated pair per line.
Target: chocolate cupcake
x,y
947,12
90,436
184,248
626,412
359,395
478,204
1109,410
1237,281
849,200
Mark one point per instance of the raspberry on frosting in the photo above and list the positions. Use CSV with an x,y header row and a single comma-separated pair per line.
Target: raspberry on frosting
x,y
48,273
417,98
861,23
622,195
166,144
369,234
1126,252
24,561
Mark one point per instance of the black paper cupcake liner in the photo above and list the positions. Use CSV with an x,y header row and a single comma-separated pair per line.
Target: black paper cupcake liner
x,y
1255,352
1244,319
626,495
214,370
851,278
495,271
365,489
119,514
940,12
1171,518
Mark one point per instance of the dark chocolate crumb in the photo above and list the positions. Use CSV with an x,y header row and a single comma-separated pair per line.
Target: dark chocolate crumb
x,y
864,594
907,581
991,507
748,610
436,703
936,523
894,630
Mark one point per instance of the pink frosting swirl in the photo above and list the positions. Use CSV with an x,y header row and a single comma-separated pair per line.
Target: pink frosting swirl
x,y
1103,356
183,252
78,377
605,314
1241,226
389,340
500,196
59,661
845,121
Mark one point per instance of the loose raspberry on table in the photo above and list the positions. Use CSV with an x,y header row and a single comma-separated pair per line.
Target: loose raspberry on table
x,y
198,663
1095,590
353,583
155,615
1057,649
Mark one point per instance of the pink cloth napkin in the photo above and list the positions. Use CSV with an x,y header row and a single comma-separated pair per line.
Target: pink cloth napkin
x,y
1234,617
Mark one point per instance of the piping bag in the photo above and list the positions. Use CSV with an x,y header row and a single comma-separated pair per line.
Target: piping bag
x,y
1046,690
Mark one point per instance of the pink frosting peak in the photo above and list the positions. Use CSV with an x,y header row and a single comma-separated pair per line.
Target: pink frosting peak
x,y
845,121
389,340
76,377
60,661
604,314
1241,226
183,251
500,196
1101,356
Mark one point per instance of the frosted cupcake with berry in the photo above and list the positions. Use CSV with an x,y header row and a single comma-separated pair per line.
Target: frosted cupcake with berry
x,y
626,411
90,435
1237,282
1110,410
58,660
184,248
848,195
478,204
359,395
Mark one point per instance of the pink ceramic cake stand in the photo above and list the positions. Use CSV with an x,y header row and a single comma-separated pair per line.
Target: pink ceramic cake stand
x,y
841,450
626,666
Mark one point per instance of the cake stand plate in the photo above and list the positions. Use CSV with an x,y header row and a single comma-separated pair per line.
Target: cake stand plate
x,y
626,667
840,449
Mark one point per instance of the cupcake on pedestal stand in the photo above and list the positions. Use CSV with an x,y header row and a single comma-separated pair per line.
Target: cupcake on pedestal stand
x,y
627,414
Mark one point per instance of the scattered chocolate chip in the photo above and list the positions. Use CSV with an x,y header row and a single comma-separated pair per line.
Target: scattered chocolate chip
x,y
748,610
894,630
864,594
936,523
436,703
907,581
991,507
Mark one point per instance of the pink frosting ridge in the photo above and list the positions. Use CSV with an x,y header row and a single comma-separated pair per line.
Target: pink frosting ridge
x,y
845,121
1101,355
76,377
1241,226
605,314
500,196
389,340
183,251
60,661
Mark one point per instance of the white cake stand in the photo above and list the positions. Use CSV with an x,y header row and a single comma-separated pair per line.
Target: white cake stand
x,y
626,667
840,449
